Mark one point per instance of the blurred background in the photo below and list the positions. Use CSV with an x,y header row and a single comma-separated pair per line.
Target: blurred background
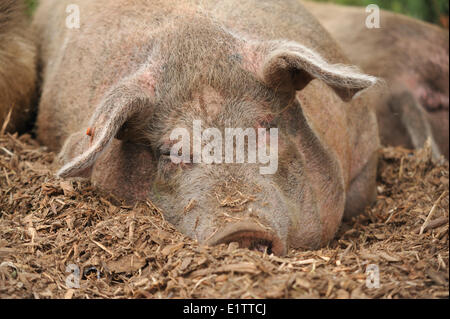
x,y
434,11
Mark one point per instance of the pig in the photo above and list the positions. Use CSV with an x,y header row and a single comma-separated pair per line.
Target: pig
x,y
17,67
116,89
412,57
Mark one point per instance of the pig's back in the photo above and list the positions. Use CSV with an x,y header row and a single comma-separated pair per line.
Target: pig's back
x,y
268,19
114,38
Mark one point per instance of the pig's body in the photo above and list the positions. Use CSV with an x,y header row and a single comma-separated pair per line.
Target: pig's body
x,y
17,66
412,56
159,65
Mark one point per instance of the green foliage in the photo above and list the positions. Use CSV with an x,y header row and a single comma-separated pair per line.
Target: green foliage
x,y
32,4
428,10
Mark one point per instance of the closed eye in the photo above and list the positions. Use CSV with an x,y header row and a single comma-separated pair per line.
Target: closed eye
x,y
164,150
166,156
164,153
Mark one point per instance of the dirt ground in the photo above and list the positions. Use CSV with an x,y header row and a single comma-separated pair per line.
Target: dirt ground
x,y
47,224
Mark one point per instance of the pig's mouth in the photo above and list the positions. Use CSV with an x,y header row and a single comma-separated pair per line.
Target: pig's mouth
x,y
251,236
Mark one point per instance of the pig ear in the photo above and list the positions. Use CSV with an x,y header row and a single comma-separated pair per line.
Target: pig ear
x,y
291,66
121,103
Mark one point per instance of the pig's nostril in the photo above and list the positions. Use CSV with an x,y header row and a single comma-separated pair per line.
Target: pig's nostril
x,y
262,246
252,243
250,236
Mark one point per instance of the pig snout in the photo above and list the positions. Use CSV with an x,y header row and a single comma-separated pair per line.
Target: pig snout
x,y
249,235
225,204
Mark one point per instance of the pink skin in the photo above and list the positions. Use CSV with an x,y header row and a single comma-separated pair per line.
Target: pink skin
x,y
164,66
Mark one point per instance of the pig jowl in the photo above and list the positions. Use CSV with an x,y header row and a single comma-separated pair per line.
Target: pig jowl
x,y
145,69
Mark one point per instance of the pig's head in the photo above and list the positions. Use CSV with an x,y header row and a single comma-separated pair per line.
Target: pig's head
x,y
294,196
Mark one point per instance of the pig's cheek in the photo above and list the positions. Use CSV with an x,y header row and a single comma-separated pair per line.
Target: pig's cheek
x,y
126,170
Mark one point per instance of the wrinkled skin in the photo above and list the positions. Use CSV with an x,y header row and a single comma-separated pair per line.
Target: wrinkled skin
x,y
412,56
115,89
17,67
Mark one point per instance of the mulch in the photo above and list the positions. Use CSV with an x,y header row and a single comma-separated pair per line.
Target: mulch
x,y
51,230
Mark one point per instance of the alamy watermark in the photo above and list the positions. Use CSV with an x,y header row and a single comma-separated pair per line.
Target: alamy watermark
x,y
373,19
208,146
372,276
73,16
73,280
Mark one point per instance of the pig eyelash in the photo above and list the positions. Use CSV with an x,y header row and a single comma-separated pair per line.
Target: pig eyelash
x,y
164,151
